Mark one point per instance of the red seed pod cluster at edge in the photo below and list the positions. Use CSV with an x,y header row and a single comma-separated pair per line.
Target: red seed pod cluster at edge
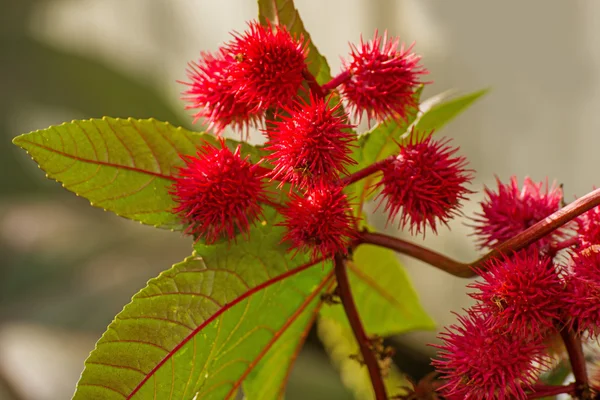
x,y
312,156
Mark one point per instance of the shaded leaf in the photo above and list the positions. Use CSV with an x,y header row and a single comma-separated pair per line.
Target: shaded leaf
x,y
123,166
199,329
441,113
341,345
283,12
385,298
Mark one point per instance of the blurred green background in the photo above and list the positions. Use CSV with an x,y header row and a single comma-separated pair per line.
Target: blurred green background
x,y
66,268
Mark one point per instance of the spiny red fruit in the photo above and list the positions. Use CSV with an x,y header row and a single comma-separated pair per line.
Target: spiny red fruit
x,y
424,184
269,65
588,228
511,210
218,192
583,295
383,77
319,222
212,92
521,294
480,363
310,144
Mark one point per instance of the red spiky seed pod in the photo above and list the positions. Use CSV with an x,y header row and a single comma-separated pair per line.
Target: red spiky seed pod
x,y
521,294
424,184
319,222
511,210
310,143
588,228
382,76
218,192
269,65
582,297
481,363
210,90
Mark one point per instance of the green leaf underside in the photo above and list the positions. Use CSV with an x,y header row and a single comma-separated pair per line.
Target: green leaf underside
x,y
202,327
386,301
283,12
121,165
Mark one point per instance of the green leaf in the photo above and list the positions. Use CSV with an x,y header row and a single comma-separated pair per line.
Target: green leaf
x,y
200,328
440,114
386,301
122,165
283,12
269,379
340,344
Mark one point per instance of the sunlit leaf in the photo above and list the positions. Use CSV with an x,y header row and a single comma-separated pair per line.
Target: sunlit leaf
x,y
201,328
122,165
440,113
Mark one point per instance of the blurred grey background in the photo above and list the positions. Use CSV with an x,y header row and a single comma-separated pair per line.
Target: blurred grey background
x,y
66,268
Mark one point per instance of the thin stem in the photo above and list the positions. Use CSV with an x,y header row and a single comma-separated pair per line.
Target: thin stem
x,y
437,260
564,244
516,243
364,344
314,86
363,173
577,360
336,81
550,390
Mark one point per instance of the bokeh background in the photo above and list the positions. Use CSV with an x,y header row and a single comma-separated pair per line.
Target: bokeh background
x,y
66,268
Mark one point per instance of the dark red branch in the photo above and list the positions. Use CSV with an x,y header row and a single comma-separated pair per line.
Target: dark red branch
x,y
313,85
437,260
549,390
577,360
363,173
547,225
518,242
369,358
336,81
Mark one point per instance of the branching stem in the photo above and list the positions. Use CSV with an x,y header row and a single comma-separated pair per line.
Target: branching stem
x,y
516,243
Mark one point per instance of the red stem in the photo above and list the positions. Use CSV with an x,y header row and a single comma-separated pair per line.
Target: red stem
x,y
564,244
363,173
437,260
336,81
314,86
550,390
369,358
518,242
577,360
